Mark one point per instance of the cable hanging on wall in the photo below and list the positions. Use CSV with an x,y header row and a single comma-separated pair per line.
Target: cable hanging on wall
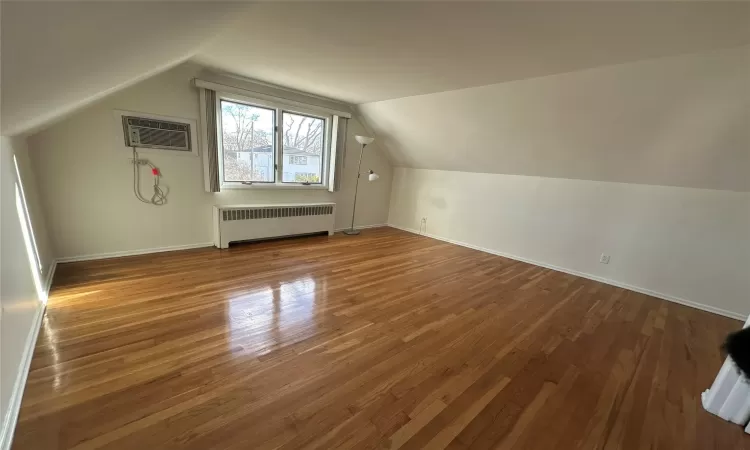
x,y
160,197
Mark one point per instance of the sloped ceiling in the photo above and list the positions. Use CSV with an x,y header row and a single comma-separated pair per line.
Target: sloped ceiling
x,y
509,87
633,92
59,56
365,52
677,121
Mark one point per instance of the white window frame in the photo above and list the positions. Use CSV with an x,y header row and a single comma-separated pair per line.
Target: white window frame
x,y
280,107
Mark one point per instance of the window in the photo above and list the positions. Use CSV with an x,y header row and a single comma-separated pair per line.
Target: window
x,y
303,141
257,150
247,135
299,160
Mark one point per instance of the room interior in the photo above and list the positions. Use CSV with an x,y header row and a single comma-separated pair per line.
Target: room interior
x,y
374,225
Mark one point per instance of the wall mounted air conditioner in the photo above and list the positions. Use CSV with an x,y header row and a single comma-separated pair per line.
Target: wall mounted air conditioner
x,y
151,133
235,223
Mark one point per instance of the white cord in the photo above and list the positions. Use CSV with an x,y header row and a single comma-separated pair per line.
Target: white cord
x,y
160,197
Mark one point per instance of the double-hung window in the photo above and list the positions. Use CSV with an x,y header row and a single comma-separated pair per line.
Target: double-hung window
x,y
269,144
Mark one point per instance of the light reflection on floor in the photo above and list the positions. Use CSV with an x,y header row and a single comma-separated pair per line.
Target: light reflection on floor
x,y
260,319
48,335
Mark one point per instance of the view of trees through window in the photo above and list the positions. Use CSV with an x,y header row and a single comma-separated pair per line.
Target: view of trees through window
x,y
249,144
303,148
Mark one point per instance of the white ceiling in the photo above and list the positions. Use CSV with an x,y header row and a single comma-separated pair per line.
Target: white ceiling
x,y
364,52
677,121
59,56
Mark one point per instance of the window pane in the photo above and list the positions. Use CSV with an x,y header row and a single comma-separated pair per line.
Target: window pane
x,y
247,142
303,148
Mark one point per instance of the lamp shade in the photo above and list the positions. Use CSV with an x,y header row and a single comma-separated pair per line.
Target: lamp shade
x,y
373,176
364,140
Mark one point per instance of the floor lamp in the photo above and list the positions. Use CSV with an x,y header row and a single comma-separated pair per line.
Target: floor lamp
x,y
371,176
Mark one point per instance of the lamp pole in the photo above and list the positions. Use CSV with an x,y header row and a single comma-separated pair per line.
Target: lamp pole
x,y
351,230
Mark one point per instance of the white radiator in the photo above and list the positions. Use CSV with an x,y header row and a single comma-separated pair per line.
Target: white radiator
x,y
233,223
729,396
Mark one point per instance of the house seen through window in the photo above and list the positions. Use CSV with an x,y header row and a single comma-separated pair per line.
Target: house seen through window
x,y
251,139
247,142
303,145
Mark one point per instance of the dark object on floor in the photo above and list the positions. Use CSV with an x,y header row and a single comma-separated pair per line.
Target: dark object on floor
x,y
737,346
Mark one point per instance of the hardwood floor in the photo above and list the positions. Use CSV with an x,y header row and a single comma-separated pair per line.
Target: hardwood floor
x,y
385,340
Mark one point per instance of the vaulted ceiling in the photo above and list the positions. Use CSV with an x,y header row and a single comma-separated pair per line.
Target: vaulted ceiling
x,y
677,121
365,52
60,56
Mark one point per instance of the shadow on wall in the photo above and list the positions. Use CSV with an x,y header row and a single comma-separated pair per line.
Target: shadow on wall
x,y
438,202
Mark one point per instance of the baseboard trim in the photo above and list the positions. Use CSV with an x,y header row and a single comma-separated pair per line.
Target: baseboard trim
x,y
50,277
144,251
14,406
362,227
173,248
671,298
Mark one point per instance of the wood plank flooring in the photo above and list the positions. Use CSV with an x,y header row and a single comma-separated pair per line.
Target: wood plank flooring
x,y
385,340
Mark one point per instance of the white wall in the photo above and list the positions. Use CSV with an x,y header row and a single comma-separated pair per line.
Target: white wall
x,y
86,187
667,142
689,244
21,300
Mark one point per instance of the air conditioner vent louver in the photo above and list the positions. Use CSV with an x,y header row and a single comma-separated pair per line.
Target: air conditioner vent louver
x,y
275,212
151,133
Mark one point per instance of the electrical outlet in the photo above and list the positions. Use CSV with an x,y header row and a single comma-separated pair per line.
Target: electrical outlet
x,y
423,225
604,259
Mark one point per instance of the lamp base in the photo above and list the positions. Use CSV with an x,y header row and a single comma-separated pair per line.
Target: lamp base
x,y
352,232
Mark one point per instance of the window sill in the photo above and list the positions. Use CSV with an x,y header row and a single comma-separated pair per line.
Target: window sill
x,y
273,186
